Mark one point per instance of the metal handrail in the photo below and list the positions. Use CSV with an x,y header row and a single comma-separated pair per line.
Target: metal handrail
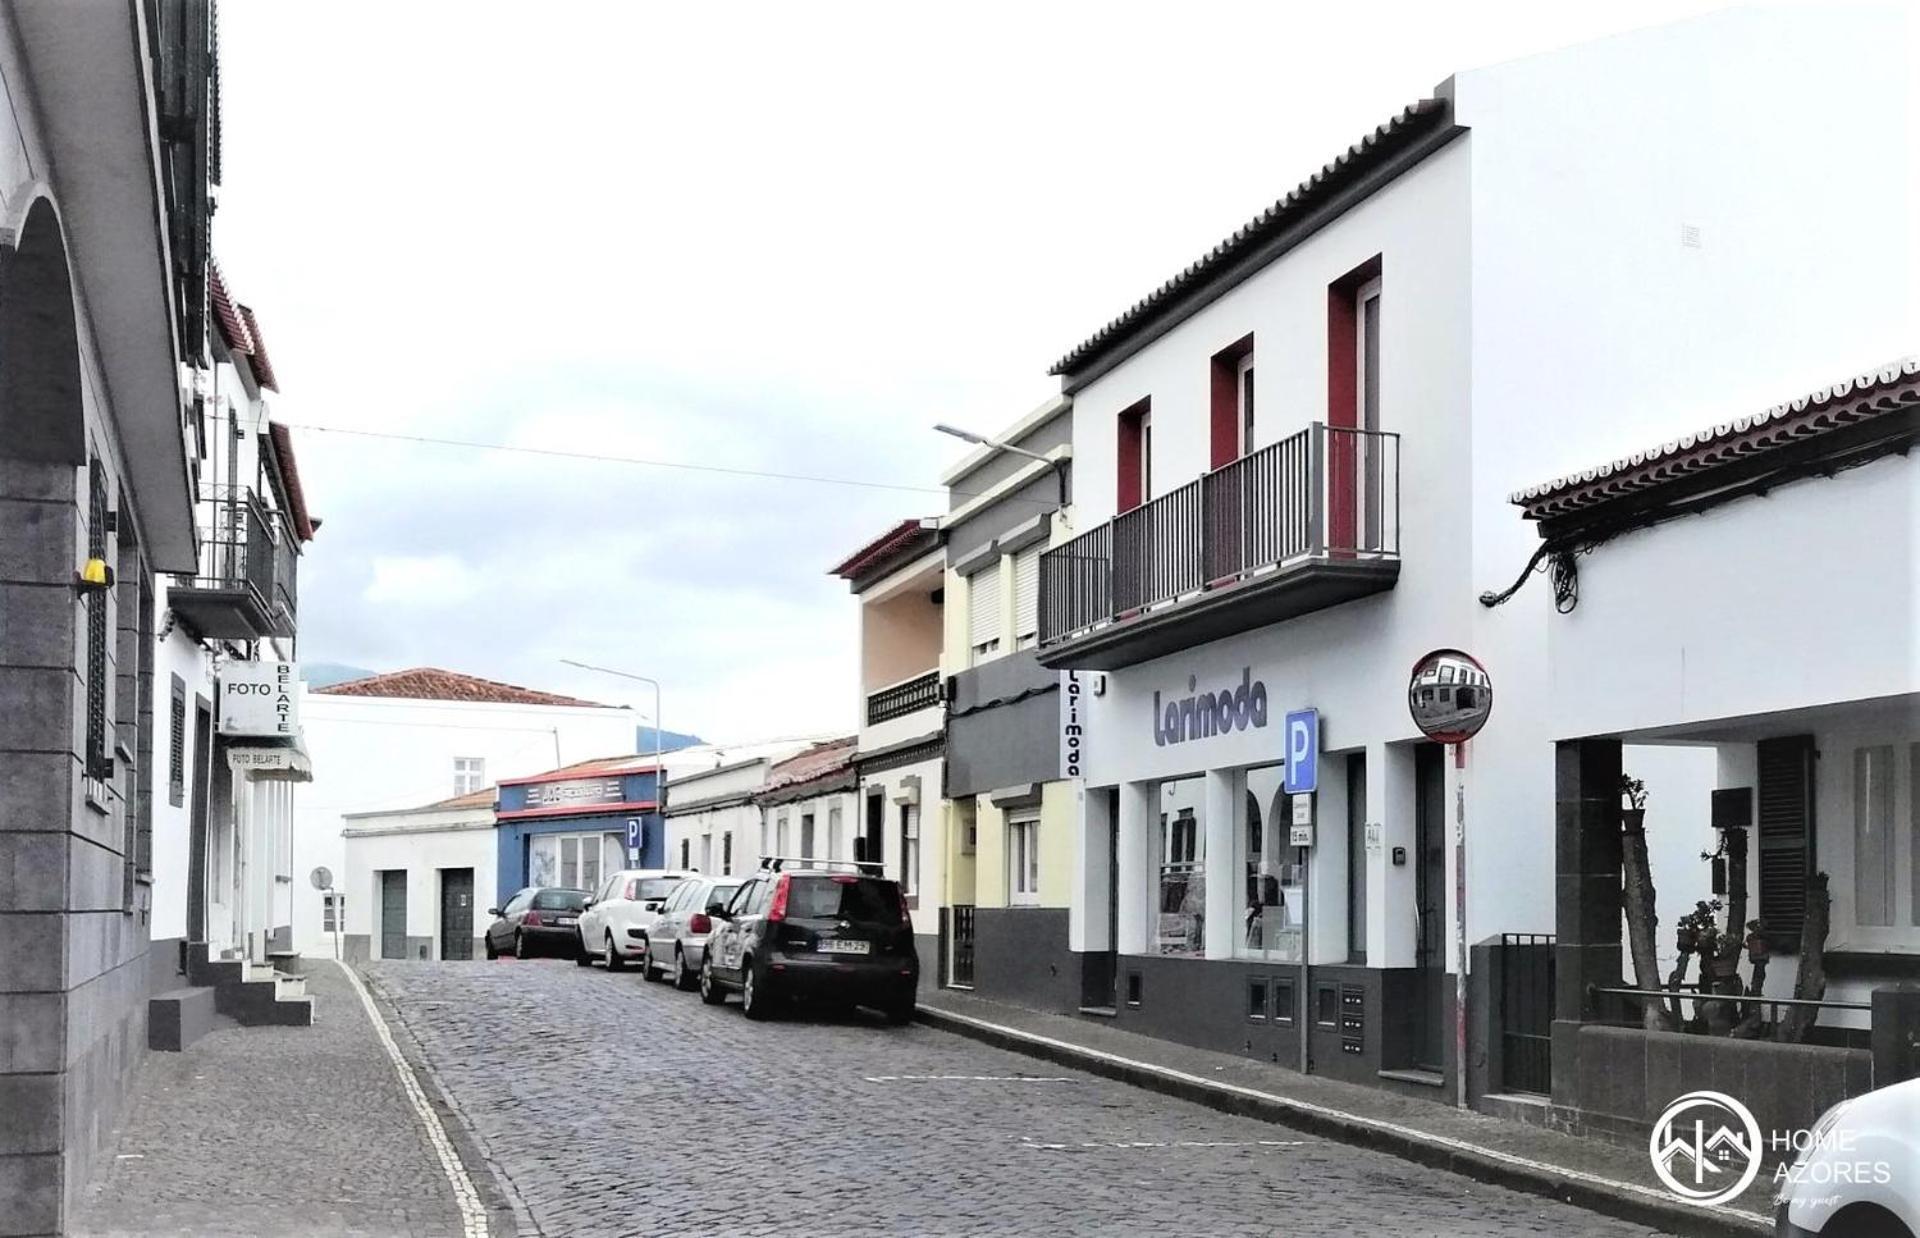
x,y
1694,993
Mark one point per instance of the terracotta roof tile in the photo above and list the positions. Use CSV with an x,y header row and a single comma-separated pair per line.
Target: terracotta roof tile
x,y
632,763
893,541
822,759
1403,131
482,798
262,366
1891,388
232,329
430,683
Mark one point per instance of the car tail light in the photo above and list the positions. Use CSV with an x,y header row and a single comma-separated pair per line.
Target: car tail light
x,y
532,921
699,922
779,909
906,912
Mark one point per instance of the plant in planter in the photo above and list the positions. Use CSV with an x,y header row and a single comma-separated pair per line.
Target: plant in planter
x,y
1642,921
1695,934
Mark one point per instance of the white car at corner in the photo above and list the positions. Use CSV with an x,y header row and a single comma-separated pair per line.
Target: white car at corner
x,y
1859,1175
614,924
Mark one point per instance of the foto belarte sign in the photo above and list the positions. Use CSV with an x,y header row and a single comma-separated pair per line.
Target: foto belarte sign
x,y
260,698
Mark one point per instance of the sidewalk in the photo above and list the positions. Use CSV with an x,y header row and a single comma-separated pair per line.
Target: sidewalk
x,y
1613,1180
274,1131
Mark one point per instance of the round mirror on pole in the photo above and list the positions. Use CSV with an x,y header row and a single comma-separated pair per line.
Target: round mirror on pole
x,y
1449,696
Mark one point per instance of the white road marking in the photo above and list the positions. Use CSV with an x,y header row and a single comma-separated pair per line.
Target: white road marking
x,y
1132,1144
966,1079
1303,1106
473,1216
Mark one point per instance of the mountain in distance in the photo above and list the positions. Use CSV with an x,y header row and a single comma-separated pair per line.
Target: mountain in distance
x,y
327,674
670,741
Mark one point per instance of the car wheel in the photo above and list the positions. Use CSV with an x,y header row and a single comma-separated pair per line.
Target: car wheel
x,y
755,1001
647,970
614,961
710,991
491,952
582,957
520,946
682,978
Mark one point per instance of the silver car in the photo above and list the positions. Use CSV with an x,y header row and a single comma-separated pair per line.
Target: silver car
x,y
679,936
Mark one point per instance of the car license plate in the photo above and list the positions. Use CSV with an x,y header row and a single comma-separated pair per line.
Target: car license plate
x,y
566,922
835,945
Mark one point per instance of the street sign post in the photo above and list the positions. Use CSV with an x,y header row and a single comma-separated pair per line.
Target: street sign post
x,y
1450,696
322,878
1303,751
633,840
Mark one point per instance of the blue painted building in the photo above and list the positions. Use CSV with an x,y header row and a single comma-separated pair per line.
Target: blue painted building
x,y
572,826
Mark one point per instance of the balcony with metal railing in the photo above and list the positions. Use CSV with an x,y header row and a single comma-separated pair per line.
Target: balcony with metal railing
x,y
245,587
1309,522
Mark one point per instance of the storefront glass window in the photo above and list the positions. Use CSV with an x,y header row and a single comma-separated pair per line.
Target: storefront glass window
x,y
1181,891
1273,898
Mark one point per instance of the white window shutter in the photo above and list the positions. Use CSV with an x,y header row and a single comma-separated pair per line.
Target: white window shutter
x,y
1026,596
983,607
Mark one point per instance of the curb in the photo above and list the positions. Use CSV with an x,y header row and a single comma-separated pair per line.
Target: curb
x,y
1624,1201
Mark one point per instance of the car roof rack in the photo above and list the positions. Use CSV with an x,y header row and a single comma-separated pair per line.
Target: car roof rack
x,y
777,863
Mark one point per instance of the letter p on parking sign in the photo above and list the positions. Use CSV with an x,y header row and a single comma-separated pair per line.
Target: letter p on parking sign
x,y
1303,751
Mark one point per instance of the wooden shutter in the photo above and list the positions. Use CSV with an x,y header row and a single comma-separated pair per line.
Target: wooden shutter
x,y
1026,596
983,606
1786,836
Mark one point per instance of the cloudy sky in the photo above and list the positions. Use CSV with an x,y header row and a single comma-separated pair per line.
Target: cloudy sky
x,y
782,238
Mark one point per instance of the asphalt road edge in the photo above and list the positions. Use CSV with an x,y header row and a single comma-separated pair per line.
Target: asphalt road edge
x,y
507,1214
1624,1201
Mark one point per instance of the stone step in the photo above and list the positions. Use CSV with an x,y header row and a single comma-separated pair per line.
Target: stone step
x,y
177,1018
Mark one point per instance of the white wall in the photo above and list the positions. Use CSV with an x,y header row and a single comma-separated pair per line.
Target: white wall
x,y
435,841
179,655
378,753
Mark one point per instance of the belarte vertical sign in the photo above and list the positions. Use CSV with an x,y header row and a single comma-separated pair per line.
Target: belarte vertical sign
x,y
260,698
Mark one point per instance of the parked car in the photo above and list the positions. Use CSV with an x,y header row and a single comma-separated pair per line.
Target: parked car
x,y
1859,1175
537,920
817,931
677,941
615,923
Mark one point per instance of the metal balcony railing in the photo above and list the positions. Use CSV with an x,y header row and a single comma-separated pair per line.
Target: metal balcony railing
x,y
245,585
237,545
899,700
1327,493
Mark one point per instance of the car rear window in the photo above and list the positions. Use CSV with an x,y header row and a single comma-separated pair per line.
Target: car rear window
x,y
559,900
843,898
657,887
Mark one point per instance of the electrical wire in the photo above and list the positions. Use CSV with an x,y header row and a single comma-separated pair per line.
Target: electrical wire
x,y
601,458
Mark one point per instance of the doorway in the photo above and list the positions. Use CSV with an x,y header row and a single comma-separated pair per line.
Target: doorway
x,y
456,913
869,846
197,819
393,913
1430,896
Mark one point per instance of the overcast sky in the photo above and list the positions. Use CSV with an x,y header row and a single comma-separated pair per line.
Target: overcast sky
x,y
786,238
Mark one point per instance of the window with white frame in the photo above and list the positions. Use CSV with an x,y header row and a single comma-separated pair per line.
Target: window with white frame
x,y
333,913
706,853
570,860
1243,394
984,624
1874,847
469,774
1026,597
833,833
780,836
1023,859
909,849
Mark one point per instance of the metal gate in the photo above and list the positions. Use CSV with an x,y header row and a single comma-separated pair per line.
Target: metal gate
x,y
960,960
456,913
1526,1012
393,914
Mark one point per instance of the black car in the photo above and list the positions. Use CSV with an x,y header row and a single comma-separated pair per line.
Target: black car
x,y
537,920
799,929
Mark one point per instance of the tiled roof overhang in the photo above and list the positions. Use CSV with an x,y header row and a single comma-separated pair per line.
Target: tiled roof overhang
x,y
1847,422
303,521
1364,168
904,541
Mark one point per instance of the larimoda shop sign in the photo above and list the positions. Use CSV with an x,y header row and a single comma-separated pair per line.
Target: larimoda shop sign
x,y
260,698
1073,724
1200,715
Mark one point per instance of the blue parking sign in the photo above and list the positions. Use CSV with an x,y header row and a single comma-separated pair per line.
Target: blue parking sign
x,y
633,833
1303,751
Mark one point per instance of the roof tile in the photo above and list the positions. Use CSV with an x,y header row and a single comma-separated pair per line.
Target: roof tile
x,y
430,683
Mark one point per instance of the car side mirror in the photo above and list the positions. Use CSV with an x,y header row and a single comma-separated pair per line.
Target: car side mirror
x,y
494,911
718,911
585,903
653,904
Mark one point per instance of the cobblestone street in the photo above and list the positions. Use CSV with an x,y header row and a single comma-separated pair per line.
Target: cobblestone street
x,y
617,1107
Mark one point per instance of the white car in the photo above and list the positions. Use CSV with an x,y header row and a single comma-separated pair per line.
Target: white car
x,y
614,924
1859,1175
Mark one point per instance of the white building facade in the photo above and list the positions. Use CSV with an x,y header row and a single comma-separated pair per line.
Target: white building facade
x,y
448,855
806,807
1438,319
396,741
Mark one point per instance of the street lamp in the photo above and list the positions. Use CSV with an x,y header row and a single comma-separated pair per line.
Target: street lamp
x,y
1059,467
659,763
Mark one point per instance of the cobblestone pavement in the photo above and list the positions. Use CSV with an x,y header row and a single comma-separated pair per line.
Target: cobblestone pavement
x,y
619,1107
269,1131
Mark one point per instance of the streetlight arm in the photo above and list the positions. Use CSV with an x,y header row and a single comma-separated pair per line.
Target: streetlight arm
x,y
1059,466
659,740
